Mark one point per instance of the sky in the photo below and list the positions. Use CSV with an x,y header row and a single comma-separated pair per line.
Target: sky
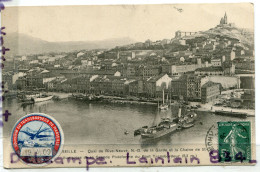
x,y
138,22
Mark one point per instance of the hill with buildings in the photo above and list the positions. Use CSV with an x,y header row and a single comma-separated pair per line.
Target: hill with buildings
x,y
185,40
244,36
192,66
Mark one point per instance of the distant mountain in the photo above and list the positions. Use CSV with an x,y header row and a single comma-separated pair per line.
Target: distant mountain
x,y
22,44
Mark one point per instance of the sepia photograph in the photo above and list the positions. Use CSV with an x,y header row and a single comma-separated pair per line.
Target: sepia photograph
x,y
137,85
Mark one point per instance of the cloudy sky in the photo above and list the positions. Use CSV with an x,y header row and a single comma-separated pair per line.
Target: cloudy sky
x,y
139,22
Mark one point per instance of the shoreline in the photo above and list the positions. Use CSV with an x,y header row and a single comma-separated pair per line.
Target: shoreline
x,y
207,107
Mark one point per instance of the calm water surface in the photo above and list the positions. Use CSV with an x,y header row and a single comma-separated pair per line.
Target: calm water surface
x,y
105,123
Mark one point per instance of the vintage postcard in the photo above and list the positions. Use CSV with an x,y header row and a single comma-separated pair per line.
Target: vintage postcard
x,y
128,85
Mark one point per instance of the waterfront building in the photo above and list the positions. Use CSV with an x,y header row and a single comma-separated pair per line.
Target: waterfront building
x,y
119,87
56,84
209,92
133,88
69,86
154,86
136,88
179,87
188,86
35,79
100,84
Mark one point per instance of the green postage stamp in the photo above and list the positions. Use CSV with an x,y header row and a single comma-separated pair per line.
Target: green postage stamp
x,y
234,141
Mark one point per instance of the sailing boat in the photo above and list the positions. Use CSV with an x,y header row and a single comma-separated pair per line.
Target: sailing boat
x,y
160,127
164,106
41,97
163,126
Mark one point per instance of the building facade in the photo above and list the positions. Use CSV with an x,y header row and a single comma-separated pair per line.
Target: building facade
x,y
209,92
188,86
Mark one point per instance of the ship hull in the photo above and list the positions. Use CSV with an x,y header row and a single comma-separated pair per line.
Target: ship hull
x,y
42,99
231,114
159,134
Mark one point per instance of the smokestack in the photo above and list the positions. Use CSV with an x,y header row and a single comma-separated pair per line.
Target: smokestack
x,y
179,113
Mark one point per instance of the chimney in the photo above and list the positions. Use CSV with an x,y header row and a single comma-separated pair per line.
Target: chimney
x,y
179,112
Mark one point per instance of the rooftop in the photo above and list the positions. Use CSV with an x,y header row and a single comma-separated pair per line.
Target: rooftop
x,y
209,69
209,84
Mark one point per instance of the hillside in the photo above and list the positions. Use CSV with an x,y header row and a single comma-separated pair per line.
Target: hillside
x,y
242,37
21,44
245,36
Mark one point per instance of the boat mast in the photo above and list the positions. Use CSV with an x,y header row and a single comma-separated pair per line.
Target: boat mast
x,y
163,97
170,97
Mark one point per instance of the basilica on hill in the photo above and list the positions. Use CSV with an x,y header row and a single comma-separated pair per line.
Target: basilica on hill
x,y
224,22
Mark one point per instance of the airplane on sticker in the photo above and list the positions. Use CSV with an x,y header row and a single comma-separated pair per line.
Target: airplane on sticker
x,y
34,135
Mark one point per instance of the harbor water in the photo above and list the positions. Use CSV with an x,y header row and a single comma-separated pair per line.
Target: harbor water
x,y
106,123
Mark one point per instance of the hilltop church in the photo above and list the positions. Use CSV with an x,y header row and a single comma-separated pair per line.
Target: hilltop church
x,y
224,22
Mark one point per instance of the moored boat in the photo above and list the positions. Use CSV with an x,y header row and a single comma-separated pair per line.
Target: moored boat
x,y
169,125
140,130
230,113
42,98
187,125
79,96
56,98
160,130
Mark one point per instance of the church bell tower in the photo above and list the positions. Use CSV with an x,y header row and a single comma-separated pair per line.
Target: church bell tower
x,y
225,18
